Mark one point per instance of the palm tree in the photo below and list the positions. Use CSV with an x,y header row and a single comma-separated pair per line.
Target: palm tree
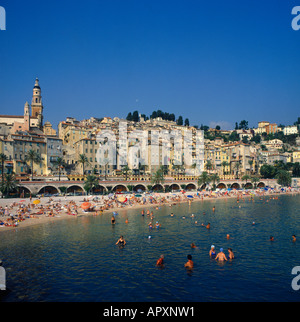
x,y
59,163
3,158
194,166
90,183
209,165
224,165
204,178
83,160
237,168
125,171
158,177
254,180
246,177
32,157
214,178
9,184
250,163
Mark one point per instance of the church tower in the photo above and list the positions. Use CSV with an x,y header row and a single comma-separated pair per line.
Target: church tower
x,y
26,117
36,103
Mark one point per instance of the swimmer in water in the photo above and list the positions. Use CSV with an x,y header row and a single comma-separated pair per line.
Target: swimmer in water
x,y
228,236
160,261
121,241
208,226
172,214
230,253
294,238
212,252
150,225
189,264
271,238
193,245
126,221
214,208
113,220
221,256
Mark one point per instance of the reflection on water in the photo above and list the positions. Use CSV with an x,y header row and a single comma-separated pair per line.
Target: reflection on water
x,y
77,260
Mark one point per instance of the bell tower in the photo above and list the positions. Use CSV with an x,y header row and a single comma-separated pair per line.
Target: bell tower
x,y
26,117
36,103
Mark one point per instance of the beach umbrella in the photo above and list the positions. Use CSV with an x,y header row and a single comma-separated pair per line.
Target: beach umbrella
x,y
138,195
229,189
36,202
122,199
22,200
190,196
85,205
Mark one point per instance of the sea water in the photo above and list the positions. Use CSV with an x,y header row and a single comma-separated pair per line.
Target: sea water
x,y
78,260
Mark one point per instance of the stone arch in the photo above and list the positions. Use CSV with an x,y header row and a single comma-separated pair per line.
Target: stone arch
x,y
191,186
221,185
75,189
174,186
119,188
261,185
138,187
25,192
48,190
99,190
157,187
235,185
248,185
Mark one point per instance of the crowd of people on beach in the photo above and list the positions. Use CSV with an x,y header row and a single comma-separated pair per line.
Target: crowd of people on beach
x,y
13,214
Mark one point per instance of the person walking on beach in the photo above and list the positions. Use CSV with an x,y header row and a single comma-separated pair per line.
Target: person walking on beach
x,y
221,256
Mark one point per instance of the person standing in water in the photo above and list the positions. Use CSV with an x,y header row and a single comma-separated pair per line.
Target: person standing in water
x,y
189,264
212,252
230,253
221,256
121,241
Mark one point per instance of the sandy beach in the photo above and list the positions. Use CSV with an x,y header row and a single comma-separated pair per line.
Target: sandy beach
x,y
26,213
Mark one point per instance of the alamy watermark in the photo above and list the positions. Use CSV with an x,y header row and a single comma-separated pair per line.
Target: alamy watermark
x,y
150,147
2,277
2,19
296,11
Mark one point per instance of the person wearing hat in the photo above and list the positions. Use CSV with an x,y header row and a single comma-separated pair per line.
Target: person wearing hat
x,y
212,252
221,256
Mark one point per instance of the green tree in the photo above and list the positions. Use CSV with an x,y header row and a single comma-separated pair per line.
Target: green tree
x,y
246,177
125,171
204,179
90,182
283,178
9,184
3,158
209,166
180,120
83,160
267,171
255,180
60,164
186,122
296,169
214,178
224,165
32,157
158,177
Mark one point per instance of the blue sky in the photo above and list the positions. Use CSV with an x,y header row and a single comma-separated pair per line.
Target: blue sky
x,y
214,62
